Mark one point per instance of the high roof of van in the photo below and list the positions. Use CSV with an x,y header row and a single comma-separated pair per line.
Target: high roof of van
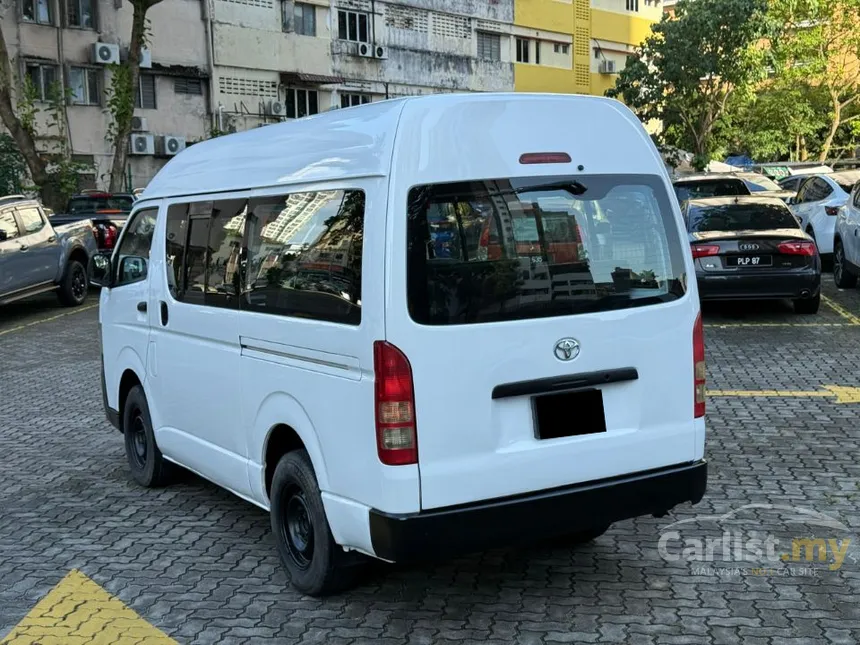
x,y
360,142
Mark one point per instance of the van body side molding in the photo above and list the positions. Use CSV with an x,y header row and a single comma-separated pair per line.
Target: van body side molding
x,y
564,383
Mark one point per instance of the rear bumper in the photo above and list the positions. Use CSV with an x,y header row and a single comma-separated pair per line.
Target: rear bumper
x,y
794,284
527,519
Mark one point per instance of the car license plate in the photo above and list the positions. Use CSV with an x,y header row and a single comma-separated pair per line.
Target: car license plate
x,y
748,261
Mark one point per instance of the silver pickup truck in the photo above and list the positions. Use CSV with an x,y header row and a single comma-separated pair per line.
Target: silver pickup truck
x,y
36,257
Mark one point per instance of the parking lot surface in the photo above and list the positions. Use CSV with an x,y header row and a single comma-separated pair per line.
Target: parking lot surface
x,y
192,564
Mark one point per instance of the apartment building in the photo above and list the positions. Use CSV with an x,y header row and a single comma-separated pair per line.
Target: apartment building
x,y
279,59
577,46
73,42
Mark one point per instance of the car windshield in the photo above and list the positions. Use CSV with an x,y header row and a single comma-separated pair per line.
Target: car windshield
x,y
95,203
740,217
517,248
710,188
760,184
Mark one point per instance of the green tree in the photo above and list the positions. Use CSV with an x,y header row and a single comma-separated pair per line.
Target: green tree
x,y
686,71
121,93
820,46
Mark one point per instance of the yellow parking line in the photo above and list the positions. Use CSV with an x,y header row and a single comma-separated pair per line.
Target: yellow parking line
x,y
49,319
842,393
79,612
847,315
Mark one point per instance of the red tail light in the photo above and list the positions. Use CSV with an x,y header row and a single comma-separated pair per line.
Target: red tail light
x,y
833,211
704,250
796,248
699,367
396,439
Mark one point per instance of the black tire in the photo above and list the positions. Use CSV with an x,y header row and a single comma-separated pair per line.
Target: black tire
x,y
807,306
148,466
579,538
74,284
317,565
842,276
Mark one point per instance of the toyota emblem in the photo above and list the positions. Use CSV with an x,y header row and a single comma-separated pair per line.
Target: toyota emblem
x,y
566,349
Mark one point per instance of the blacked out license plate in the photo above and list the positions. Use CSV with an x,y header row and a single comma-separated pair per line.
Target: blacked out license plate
x,y
749,261
569,414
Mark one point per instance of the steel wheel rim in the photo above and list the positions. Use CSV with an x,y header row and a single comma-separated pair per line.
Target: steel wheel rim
x,y
79,283
297,529
138,440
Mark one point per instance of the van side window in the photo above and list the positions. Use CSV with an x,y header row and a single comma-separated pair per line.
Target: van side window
x,y
304,255
203,250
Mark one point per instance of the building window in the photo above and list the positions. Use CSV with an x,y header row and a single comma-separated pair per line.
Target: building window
x,y
301,103
522,50
596,53
84,86
561,48
42,79
354,26
304,19
537,52
348,100
192,86
38,11
489,46
80,13
145,96
632,5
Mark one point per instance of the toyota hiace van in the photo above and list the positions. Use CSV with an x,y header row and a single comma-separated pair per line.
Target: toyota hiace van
x,y
414,328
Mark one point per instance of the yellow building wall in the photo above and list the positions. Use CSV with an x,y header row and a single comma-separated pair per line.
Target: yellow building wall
x,y
602,82
535,78
619,27
551,15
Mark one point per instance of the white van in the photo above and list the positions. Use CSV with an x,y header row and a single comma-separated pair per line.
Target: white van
x,y
414,328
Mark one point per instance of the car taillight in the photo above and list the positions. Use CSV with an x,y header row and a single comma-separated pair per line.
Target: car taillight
x,y
796,248
833,211
544,157
704,250
396,439
110,237
699,367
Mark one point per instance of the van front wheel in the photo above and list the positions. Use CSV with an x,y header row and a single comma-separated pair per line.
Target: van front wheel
x,y
316,564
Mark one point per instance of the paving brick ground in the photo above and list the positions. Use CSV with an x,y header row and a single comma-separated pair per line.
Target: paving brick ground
x,y
200,564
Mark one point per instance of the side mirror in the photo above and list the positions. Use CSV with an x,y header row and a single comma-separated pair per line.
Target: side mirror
x,y
3,236
100,270
131,269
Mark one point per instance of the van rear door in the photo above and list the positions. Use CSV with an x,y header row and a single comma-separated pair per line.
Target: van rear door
x,y
548,330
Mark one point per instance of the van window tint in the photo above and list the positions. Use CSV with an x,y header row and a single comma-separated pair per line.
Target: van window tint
x,y
203,249
304,255
520,248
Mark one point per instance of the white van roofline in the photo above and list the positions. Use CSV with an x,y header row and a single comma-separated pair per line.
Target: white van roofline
x,y
341,144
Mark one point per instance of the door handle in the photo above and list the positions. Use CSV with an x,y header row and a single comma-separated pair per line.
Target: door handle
x,y
23,247
53,238
164,313
141,307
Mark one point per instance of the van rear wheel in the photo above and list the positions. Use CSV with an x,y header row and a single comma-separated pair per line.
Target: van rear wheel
x,y
317,565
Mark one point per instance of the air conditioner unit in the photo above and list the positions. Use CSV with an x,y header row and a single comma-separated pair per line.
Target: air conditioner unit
x,y
380,52
145,58
276,108
607,67
170,145
142,144
139,124
104,53
364,50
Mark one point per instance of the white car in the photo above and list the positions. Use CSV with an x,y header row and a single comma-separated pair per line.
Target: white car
x,y
846,242
817,204
414,328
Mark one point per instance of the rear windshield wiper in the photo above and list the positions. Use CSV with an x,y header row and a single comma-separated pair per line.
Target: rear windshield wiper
x,y
572,187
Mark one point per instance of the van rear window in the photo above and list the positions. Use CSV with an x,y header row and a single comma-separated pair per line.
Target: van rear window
x,y
512,249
